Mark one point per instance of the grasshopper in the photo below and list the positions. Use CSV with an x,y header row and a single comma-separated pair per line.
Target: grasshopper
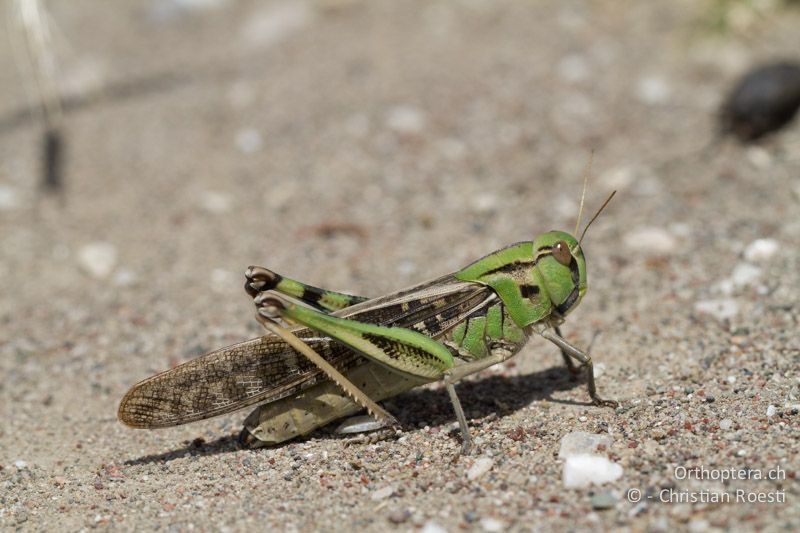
x,y
340,353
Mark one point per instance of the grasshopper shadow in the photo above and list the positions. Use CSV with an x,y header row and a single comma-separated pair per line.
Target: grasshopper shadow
x,y
226,444
501,395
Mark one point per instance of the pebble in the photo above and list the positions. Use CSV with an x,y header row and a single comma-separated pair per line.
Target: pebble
x,y
721,309
581,443
618,178
398,516
761,250
745,274
581,471
574,68
771,410
406,119
433,527
249,141
599,369
382,493
98,259
275,22
20,464
492,525
653,90
697,525
215,202
650,240
8,198
480,467
603,500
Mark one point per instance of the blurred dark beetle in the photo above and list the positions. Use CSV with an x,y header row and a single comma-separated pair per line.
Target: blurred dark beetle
x,y
764,100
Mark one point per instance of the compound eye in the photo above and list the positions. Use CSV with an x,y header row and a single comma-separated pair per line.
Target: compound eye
x,y
561,253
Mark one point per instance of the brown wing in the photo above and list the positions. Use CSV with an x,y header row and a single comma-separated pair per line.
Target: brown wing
x,y
266,369
229,379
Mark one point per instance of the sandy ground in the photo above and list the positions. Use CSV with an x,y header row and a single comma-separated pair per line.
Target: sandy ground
x,y
368,146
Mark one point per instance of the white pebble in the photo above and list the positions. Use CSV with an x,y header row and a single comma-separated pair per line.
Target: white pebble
x,y
573,68
759,157
744,274
650,240
581,443
8,198
125,278
20,464
249,140
653,90
618,178
771,410
698,525
599,369
98,259
721,309
382,494
581,471
215,202
223,280
485,203
725,424
433,527
480,467
275,22
492,525
761,249
406,119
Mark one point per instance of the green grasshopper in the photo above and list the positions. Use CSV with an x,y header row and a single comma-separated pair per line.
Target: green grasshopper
x,y
348,352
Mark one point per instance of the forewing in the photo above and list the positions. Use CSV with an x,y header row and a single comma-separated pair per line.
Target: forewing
x,y
229,379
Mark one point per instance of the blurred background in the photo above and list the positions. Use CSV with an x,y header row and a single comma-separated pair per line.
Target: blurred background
x,y
151,150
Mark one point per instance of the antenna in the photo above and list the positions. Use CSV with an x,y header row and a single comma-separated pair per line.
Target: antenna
x,y
583,194
596,215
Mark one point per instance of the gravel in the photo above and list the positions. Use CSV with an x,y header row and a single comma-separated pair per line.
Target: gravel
x,y
369,146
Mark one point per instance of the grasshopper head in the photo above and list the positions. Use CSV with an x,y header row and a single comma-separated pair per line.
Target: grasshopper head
x,y
562,267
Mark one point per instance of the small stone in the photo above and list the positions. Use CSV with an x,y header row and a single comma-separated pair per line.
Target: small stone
x,y
406,119
124,278
599,369
20,464
398,516
581,443
574,68
98,259
761,250
382,493
721,309
8,198
433,527
248,140
650,240
653,90
581,471
697,525
771,410
215,202
480,467
491,525
603,500
744,274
